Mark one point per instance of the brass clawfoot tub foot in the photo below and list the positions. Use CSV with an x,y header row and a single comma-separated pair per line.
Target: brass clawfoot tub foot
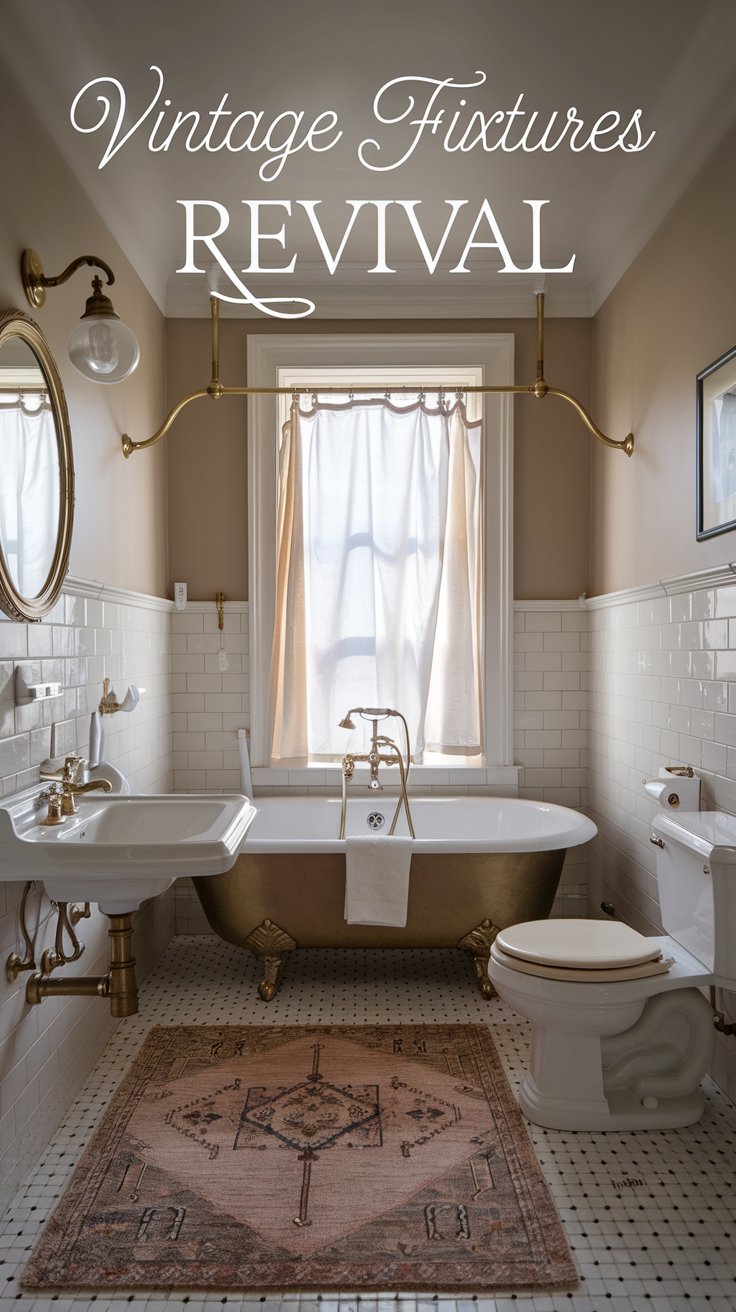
x,y
478,944
271,945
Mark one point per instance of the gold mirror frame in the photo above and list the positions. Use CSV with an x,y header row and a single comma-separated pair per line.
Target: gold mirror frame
x,y
14,323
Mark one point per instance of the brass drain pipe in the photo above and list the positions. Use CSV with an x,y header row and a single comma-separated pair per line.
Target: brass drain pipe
x,y
119,984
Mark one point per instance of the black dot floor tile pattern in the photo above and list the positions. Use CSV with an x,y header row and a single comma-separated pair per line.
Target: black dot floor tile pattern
x,y
650,1217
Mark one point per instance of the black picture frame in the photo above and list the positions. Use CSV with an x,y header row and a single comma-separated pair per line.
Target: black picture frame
x,y
715,427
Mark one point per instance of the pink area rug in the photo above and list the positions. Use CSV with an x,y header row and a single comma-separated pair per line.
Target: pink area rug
x,y
358,1157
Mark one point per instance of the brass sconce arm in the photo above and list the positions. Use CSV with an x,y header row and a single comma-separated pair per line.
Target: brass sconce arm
x,y
35,281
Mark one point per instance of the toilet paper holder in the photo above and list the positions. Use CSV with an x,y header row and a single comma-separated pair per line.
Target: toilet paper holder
x,y
675,786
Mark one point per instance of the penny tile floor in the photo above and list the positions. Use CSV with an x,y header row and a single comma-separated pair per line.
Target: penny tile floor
x,y
651,1217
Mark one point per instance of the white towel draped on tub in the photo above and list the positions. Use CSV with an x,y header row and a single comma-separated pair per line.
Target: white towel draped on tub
x,y
377,880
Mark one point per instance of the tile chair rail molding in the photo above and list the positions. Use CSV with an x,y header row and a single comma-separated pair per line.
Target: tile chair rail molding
x,y
215,390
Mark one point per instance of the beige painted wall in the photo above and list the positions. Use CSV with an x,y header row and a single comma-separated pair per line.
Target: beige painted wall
x,y
672,314
120,530
207,454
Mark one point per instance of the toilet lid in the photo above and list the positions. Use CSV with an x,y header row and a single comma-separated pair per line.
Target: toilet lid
x,y
578,975
578,944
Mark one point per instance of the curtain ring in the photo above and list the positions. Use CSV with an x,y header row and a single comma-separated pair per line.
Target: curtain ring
x,y
387,394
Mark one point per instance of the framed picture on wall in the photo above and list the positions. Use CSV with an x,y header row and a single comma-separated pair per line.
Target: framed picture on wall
x,y
716,447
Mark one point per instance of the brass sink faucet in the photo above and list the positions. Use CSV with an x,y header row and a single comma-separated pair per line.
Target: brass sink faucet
x,y
60,805
390,755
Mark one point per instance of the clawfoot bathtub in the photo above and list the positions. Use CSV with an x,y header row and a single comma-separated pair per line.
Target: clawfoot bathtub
x,y
478,865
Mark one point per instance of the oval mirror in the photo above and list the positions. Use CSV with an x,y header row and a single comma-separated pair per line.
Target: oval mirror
x,y
36,471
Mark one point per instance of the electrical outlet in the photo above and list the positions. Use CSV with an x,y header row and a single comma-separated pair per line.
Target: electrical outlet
x,y
180,595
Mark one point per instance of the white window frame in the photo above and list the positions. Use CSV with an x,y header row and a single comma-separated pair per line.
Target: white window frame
x,y
494,353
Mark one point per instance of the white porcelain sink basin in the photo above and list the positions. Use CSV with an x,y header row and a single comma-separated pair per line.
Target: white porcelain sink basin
x,y
119,850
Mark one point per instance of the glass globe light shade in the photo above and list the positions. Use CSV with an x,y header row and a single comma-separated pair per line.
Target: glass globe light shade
x,y
101,347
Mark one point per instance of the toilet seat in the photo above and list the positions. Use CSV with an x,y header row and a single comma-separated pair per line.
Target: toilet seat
x,y
578,944
579,951
579,975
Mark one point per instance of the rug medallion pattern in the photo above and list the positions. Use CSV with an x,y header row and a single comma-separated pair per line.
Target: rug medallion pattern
x,y
308,1157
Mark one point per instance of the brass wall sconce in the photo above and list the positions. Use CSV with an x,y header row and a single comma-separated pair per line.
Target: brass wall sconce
x,y
222,662
215,390
102,348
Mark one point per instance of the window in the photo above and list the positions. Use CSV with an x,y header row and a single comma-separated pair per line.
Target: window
x,y
342,655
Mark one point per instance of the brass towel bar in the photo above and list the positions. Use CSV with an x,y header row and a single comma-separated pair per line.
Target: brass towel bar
x,y
215,389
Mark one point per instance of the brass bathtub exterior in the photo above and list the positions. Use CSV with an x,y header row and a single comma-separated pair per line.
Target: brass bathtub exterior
x,y
456,900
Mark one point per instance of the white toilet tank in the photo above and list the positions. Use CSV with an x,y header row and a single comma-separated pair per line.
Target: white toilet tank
x,y
696,878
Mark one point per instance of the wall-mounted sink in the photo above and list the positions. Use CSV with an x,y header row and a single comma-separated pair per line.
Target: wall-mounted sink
x,y
119,850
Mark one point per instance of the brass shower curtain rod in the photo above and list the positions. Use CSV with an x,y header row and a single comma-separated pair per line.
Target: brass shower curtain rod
x,y
215,390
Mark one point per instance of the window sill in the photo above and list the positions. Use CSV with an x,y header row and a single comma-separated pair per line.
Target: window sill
x,y
500,779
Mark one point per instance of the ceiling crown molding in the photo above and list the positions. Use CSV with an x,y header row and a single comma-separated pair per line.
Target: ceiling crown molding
x,y
409,294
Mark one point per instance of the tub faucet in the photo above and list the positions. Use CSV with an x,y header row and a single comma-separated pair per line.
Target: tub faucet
x,y
383,751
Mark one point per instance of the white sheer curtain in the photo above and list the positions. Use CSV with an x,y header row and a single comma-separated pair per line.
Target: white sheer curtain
x,y
29,490
378,575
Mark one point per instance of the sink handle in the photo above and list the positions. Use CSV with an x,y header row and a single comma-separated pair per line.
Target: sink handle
x,y
54,814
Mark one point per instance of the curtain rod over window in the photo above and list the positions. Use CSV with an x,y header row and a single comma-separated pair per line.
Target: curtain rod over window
x,y
215,390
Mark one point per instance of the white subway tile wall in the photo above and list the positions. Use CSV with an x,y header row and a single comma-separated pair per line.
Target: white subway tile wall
x,y
46,1052
209,704
550,657
661,688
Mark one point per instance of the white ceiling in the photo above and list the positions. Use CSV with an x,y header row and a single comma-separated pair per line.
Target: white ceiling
x,y
673,59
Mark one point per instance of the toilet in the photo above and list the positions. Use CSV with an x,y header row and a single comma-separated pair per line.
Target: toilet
x,y
622,1033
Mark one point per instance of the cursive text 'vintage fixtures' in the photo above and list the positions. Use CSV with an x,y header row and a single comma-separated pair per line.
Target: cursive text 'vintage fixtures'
x,y
215,390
